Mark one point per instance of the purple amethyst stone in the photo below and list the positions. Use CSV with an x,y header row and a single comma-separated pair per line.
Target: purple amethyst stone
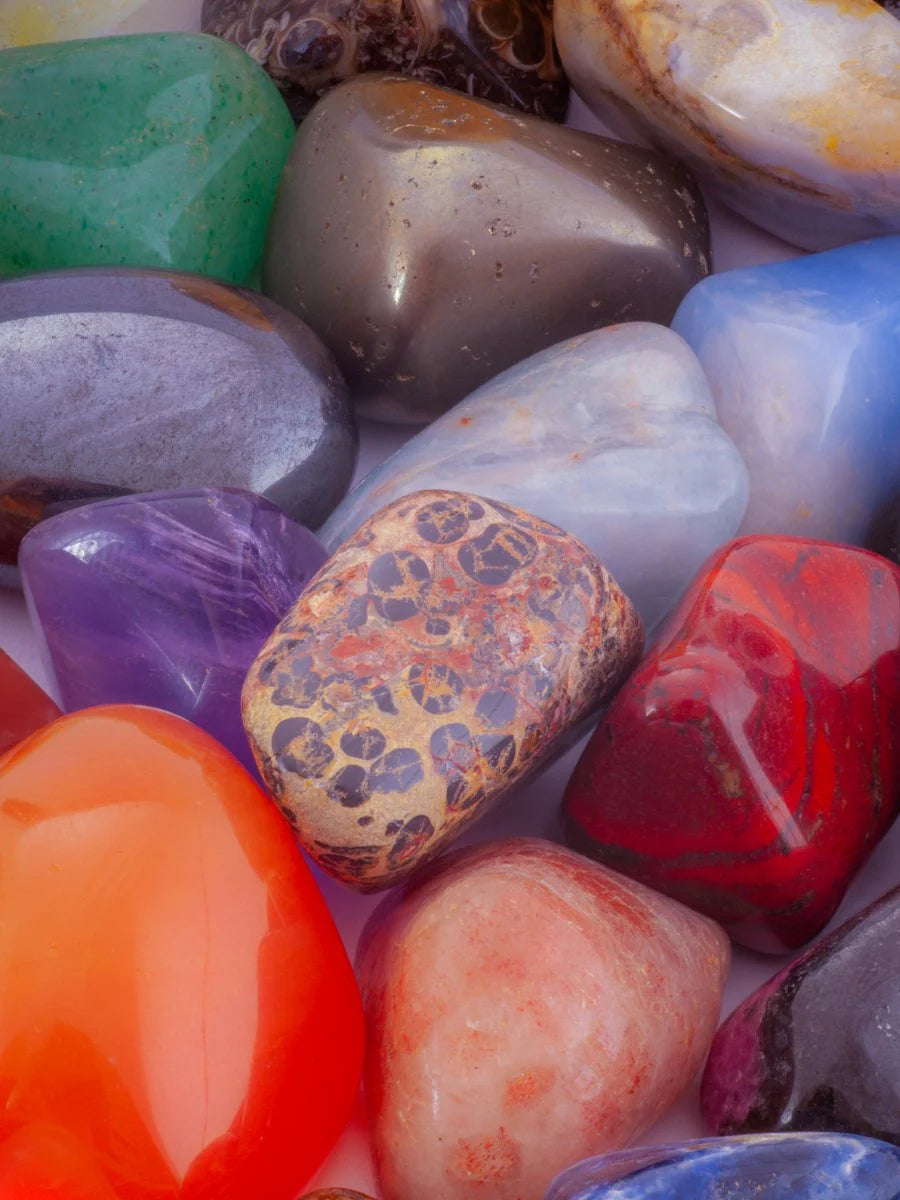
x,y
165,599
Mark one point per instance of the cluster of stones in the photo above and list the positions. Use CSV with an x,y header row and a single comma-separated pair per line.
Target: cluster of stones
x,y
197,299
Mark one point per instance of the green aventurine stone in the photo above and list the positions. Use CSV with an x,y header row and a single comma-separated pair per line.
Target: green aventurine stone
x,y
152,150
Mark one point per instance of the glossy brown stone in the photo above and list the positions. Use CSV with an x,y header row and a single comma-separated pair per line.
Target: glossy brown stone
x,y
26,501
432,240
500,50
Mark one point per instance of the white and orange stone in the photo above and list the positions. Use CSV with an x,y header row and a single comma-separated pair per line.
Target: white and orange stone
x,y
525,1009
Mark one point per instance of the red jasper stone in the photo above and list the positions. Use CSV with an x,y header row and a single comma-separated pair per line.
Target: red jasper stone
x,y
752,762
23,706
179,1018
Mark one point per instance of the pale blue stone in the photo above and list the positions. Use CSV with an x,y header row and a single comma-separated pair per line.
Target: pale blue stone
x,y
775,1166
804,361
612,436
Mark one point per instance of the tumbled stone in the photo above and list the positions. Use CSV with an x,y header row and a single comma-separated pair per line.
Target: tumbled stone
x,y
497,51
804,362
23,706
173,160
752,762
29,22
440,655
26,501
524,1008
616,421
179,1016
789,109
164,600
816,1047
152,380
781,1166
433,240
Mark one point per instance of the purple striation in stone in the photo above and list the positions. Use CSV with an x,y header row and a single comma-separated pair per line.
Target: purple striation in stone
x,y
165,599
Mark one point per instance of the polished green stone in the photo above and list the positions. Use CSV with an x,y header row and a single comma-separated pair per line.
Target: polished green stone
x,y
149,150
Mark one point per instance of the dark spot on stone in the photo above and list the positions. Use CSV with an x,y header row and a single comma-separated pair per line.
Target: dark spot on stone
x,y
445,521
495,555
462,794
496,709
435,687
350,786
499,750
437,627
384,700
364,820
397,582
392,827
398,771
299,746
453,748
357,612
365,743
414,834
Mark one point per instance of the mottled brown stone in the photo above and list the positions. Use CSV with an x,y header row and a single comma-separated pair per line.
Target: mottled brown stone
x,y
435,660
501,50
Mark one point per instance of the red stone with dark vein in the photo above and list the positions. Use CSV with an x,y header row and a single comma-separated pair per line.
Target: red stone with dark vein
x,y
435,660
23,706
752,761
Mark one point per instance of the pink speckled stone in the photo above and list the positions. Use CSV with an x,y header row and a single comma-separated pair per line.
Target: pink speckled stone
x,y
527,1008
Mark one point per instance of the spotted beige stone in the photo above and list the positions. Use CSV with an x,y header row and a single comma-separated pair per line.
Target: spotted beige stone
x,y
433,662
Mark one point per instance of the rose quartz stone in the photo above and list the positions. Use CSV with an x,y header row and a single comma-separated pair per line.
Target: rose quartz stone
x,y
527,1008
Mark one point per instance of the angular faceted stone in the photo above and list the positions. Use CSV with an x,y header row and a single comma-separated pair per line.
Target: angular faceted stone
x,y
152,380
442,653
173,161
804,362
526,1007
179,1016
781,1166
164,600
26,501
23,706
752,762
497,51
789,109
433,240
816,1047
616,421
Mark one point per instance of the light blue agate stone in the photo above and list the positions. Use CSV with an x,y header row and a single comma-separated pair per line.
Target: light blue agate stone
x,y
769,1166
804,362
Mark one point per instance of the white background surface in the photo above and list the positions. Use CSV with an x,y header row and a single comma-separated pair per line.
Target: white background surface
x,y
531,810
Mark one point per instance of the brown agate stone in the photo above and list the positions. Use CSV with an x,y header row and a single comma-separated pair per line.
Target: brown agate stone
x,y
26,501
435,660
501,50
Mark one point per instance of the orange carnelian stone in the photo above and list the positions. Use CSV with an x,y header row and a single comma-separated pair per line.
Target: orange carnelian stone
x,y
177,1014
23,706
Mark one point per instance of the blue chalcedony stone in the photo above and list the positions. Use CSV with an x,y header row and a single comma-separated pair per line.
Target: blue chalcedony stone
x,y
774,1166
804,362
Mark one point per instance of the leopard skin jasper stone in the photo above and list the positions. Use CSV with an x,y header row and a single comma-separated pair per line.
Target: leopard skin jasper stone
x,y
434,661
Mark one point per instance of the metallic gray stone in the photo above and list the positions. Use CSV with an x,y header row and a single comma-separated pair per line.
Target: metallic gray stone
x,y
433,240
154,380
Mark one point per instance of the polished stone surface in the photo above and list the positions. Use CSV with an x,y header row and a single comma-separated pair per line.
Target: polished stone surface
x,y
802,1166
818,1046
497,51
752,762
173,160
164,600
179,1015
444,652
526,1008
23,706
789,108
152,380
28,500
28,22
616,421
804,362
433,240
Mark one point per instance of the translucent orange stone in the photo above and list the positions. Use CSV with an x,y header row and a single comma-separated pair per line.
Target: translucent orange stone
x,y
23,706
178,1017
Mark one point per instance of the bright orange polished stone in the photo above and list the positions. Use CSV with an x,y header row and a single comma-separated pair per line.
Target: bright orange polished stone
x,y
23,706
178,1017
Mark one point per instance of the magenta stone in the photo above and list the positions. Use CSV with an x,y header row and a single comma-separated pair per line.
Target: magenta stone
x,y
164,599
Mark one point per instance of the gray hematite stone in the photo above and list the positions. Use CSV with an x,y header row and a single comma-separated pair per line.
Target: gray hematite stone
x,y
154,380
